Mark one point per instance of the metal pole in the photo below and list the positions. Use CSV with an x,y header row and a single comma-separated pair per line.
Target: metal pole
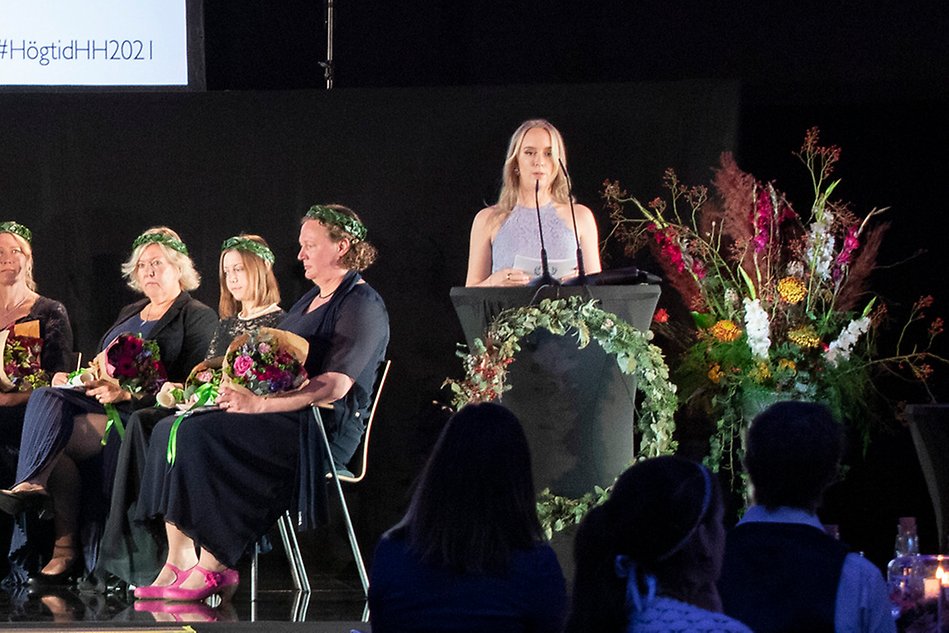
x,y
328,64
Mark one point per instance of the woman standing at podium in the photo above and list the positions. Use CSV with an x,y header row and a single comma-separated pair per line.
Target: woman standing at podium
x,y
508,230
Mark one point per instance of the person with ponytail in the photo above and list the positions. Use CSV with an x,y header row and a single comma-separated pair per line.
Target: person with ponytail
x,y
648,558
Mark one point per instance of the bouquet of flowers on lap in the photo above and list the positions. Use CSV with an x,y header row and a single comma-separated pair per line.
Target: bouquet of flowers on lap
x,y
778,299
265,361
21,369
199,390
134,364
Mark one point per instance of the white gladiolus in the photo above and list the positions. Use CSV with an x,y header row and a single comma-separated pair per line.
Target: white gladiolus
x,y
848,337
758,328
820,246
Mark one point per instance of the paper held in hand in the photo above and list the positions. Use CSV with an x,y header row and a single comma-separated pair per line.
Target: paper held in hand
x,y
559,268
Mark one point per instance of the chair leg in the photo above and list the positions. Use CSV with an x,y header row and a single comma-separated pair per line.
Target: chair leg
x,y
354,544
360,565
292,547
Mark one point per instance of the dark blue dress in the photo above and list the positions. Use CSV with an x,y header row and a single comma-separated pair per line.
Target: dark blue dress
x,y
235,474
406,596
182,334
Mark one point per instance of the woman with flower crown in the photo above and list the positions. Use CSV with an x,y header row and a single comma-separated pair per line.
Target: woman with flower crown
x,y
62,463
239,469
250,298
533,182
24,312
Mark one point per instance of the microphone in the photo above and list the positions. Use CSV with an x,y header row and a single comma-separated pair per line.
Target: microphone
x,y
581,277
545,279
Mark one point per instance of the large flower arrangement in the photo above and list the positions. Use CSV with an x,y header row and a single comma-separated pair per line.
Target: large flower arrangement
x,y
486,371
778,298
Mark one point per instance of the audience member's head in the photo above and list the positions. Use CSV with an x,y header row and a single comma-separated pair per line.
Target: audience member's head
x,y
659,532
792,454
475,501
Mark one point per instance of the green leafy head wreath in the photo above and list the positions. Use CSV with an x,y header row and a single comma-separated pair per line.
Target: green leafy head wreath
x,y
17,229
327,215
241,243
160,238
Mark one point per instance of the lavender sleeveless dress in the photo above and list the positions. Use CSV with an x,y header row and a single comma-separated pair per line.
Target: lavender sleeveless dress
x,y
519,236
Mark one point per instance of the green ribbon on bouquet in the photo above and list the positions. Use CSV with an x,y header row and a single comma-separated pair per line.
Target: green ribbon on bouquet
x,y
114,421
205,393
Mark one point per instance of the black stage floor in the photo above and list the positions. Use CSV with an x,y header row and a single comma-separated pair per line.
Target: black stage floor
x,y
335,603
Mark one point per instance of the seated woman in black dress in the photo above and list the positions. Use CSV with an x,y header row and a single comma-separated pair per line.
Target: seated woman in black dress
x,y
239,469
250,299
62,463
24,312
470,554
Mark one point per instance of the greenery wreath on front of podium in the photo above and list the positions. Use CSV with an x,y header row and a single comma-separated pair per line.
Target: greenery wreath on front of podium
x,y
486,370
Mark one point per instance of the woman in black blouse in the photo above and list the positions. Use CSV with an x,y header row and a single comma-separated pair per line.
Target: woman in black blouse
x,y
62,466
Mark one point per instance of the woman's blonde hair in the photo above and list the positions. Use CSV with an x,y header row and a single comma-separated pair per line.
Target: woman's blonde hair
x,y
177,256
28,253
260,278
511,180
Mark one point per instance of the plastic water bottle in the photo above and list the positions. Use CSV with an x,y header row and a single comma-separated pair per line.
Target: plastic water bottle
x,y
907,543
903,579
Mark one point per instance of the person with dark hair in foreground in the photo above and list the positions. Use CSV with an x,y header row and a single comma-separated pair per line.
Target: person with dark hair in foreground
x,y
782,572
469,555
647,559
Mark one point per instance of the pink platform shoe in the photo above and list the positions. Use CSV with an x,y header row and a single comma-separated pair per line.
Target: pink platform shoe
x,y
215,582
157,592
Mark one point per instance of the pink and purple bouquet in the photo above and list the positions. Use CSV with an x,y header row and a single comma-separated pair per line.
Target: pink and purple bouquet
x,y
266,361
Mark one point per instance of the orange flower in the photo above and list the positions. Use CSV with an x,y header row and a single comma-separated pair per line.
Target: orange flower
x,y
788,364
715,373
725,331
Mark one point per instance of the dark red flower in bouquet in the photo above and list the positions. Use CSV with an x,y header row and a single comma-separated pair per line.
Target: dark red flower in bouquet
x,y
22,370
136,363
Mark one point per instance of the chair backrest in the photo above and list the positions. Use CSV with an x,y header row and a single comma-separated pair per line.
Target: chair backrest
x,y
363,450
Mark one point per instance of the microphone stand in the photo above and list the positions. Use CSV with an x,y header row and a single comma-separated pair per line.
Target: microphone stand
x,y
545,279
581,278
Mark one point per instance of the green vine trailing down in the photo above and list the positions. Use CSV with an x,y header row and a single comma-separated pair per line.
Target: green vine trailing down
x,y
486,371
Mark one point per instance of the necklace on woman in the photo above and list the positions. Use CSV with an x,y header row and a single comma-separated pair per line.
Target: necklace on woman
x,y
328,295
